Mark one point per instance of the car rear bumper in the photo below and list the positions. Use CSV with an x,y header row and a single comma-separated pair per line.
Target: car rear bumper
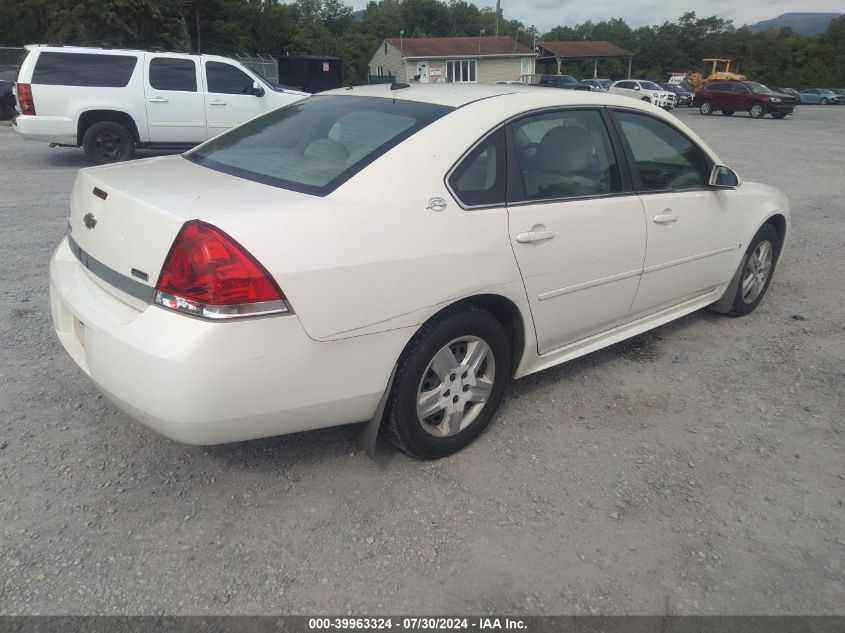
x,y
61,130
202,382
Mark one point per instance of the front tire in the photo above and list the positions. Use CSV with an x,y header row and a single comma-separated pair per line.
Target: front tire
x,y
757,111
108,142
757,268
448,384
706,108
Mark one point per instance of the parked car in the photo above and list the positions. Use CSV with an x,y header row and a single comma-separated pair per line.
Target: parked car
x,y
840,92
684,97
729,97
644,91
598,84
792,92
821,96
7,97
280,278
111,101
568,82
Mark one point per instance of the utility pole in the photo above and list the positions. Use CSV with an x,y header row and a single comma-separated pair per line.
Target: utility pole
x,y
401,44
199,41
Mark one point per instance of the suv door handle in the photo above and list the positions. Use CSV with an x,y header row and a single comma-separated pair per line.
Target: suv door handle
x,y
159,100
667,217
218,102
534,236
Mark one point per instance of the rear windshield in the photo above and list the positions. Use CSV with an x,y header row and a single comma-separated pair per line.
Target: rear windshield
x,y
84,69
316,144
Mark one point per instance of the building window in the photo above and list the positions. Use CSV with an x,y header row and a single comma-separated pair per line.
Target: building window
x,y
380,70
460,71
385,48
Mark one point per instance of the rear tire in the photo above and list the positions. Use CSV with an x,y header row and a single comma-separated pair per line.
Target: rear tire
x,y
706,108
108,142
728,112
757,111
455,369
757,268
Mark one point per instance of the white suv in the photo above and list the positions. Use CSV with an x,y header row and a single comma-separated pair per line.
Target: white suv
x,y
111,101
644,91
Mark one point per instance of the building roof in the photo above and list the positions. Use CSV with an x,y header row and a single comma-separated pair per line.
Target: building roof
x,y
584,49
459,46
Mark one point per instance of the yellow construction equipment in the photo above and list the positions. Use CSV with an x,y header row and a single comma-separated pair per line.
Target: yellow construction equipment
x,y
713,69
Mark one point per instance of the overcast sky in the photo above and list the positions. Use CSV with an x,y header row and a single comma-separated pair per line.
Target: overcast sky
x,y
546,14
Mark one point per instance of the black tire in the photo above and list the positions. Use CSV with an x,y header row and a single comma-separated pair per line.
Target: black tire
x,y
706,108
757,110
741,306
108,142
402,426
728,112
778,115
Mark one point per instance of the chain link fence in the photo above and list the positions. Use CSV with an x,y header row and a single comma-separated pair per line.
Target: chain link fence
x,y
10,56
264,65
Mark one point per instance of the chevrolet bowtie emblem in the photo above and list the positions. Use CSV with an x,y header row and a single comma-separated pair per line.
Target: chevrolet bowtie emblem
x,y
90,220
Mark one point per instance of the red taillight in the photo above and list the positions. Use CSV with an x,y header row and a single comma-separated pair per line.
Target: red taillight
x,y
209,274
25,101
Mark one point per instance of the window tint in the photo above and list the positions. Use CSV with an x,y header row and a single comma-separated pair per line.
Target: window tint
x,y
563,154
626,84
226,79
480,178
83,69
316,144
168,73
665,159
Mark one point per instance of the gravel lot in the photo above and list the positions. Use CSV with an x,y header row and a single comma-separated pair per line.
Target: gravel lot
x,y
695,469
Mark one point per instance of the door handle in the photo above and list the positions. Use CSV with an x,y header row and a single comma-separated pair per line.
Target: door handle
x,y
667,217
216,103
159,100
534,236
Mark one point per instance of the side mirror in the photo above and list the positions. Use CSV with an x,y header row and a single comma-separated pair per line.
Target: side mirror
x,y
257,90
636,87
722,177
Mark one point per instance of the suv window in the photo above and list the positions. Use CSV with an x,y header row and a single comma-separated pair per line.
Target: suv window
x,y
226,79
168,73
719,87
562,155
480,178
665,159
740,88
83,69
316,144
626,84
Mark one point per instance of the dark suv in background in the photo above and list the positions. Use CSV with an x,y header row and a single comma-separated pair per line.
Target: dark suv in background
x,y
567,82
745,96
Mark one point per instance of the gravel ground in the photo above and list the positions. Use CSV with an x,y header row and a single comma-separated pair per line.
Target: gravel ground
x,y
695,469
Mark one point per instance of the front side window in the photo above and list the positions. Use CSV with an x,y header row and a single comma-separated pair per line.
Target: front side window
x,y
563,155
480,177
168,73
84,69
316,144
226,79
627,85
665,159
650,85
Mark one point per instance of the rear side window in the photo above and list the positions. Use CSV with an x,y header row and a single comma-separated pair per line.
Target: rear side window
x,y
316,144
84,69
665,159
167,73
226,79
479,180
565,154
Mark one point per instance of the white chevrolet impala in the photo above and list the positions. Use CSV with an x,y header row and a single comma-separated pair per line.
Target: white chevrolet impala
x,y
397,254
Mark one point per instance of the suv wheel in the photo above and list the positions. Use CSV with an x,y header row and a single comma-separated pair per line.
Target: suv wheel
x,y
757,110
448,385
108,142
706,107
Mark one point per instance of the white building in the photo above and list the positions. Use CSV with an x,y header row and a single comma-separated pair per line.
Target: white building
x,y
452,59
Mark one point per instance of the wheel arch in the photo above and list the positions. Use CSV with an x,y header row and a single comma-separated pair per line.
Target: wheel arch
x,y
90,117
778,221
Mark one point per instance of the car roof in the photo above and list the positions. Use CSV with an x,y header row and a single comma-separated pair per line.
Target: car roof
x,y
58,48
519,98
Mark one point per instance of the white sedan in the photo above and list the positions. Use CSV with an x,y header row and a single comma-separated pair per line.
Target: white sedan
x,y
397,255
643,90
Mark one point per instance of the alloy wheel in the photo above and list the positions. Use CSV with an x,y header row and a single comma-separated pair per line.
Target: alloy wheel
x,y
455,386
756,272
756,110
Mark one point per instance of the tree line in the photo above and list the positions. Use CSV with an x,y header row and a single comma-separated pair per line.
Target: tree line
x,y
329,27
